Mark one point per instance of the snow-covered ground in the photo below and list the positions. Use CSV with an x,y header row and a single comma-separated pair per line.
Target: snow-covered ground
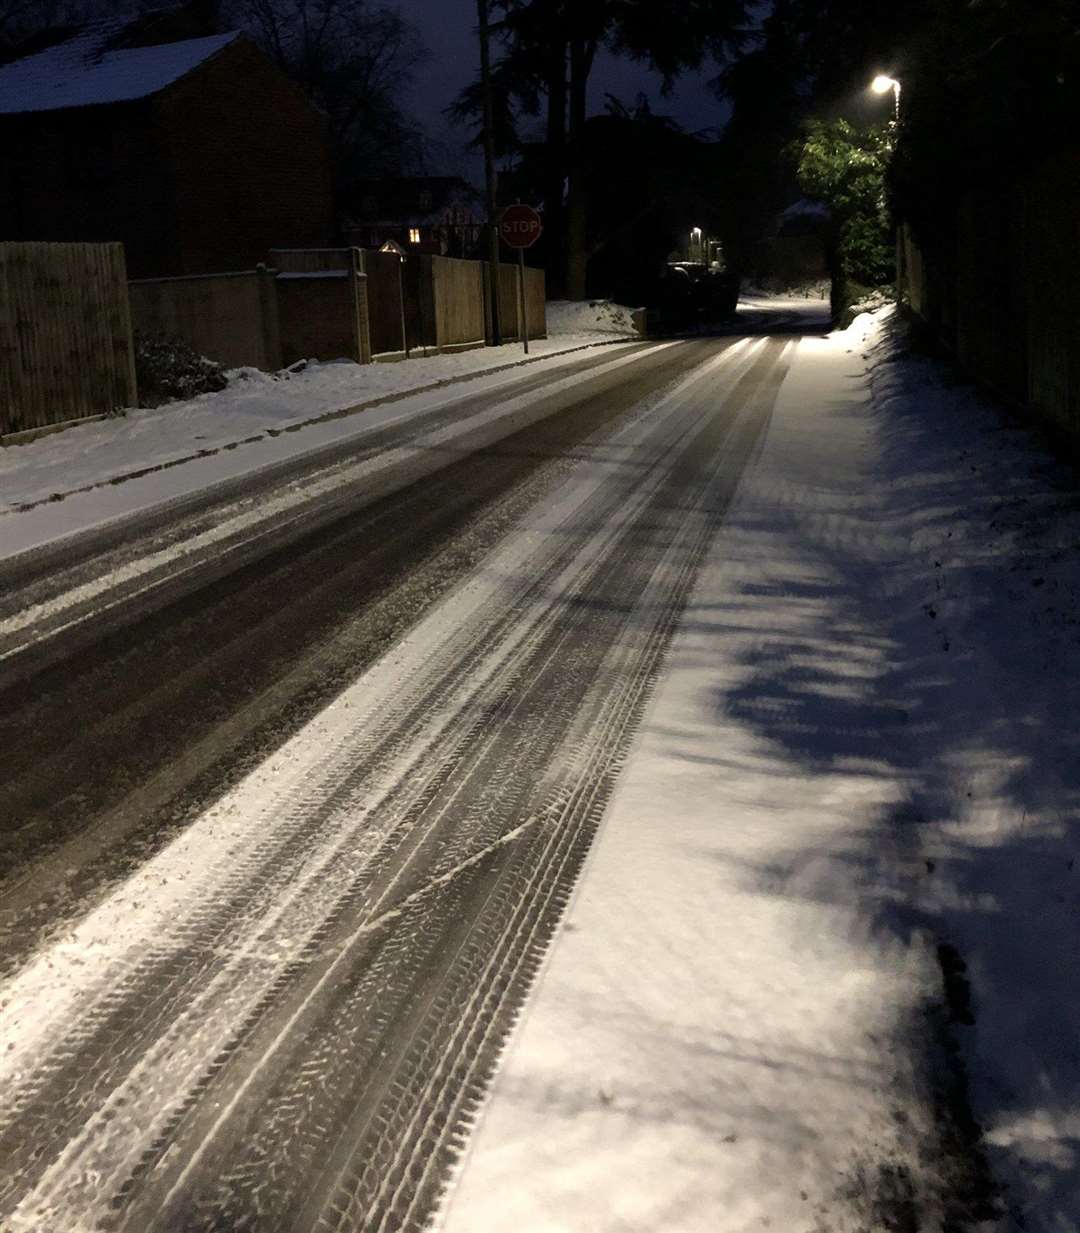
x,y
569,318
93,473
859,773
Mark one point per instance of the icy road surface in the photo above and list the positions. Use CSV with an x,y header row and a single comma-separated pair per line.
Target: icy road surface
x,y
293,791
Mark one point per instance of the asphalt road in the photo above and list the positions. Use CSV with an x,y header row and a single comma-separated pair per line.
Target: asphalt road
x,y
293,789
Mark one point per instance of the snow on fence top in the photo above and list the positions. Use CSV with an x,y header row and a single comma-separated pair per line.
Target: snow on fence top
x,y
84,72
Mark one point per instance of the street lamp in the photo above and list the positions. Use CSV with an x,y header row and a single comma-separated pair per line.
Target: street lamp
x,y
882,85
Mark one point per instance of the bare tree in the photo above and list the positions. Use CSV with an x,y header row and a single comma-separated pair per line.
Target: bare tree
x,y
352,58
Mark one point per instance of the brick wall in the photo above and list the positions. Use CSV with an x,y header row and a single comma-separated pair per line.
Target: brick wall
x,y
89,175
250,160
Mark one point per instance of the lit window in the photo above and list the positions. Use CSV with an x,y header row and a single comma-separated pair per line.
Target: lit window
x,y
414,235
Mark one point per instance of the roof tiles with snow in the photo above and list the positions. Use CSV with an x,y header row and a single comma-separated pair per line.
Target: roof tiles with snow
x,y
84,72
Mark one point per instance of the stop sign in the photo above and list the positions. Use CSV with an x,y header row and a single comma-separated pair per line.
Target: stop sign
x,y
520,226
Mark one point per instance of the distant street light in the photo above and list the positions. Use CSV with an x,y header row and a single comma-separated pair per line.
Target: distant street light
x,y
882,85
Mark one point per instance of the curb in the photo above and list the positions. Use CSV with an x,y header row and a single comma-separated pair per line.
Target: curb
x,y
297,426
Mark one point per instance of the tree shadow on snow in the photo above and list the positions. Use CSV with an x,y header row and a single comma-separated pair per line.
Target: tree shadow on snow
x,y
856,667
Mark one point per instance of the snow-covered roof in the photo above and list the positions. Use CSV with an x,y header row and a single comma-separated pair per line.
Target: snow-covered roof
x,y
84,71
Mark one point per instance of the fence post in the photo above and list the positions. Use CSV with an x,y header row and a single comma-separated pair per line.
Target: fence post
x,y
271,322
360,307
401,298
124,335
522,309
9,354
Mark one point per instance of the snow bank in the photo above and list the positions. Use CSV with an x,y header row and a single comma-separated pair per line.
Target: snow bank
x,y
866,325
569,317
255,406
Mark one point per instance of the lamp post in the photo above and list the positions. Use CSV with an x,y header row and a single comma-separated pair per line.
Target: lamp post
x,y
882,85
491,179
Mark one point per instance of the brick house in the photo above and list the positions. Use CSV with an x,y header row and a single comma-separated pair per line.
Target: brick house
x,y
423,214
190,147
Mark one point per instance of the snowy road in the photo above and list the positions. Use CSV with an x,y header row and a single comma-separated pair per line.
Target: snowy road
x,y
294,789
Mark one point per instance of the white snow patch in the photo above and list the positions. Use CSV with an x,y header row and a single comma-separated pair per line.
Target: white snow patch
x,y
571,317
259,420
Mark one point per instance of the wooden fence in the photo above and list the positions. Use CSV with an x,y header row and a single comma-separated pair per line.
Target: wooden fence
x,y
458,290
66,313
231,318
388,302
313,305
322,304
65,334
510,303
428,302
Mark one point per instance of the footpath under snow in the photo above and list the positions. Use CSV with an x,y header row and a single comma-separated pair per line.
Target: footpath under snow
x,y
859,772
93,473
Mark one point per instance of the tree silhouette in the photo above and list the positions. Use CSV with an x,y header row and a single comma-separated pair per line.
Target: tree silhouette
x,y
552,47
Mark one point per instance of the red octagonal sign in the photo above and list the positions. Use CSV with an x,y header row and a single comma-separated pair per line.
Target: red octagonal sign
x,y
520,226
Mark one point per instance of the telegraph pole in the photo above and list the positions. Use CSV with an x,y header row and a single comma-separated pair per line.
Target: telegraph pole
x,y
490,172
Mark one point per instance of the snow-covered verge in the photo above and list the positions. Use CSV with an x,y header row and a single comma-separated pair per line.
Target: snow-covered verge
x,y
858,775
571,318
254,409
993,576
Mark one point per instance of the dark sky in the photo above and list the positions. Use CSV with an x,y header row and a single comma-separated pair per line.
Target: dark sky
x,y
448,29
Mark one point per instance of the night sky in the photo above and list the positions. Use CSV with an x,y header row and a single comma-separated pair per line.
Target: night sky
x,y
448,27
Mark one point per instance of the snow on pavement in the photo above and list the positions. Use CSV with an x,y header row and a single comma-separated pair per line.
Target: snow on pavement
x,y
860,752
71,481
253,409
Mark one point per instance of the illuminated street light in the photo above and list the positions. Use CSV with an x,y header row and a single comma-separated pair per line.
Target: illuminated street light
x,y
882,85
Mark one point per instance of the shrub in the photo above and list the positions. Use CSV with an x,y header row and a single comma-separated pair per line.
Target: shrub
x,y
167,369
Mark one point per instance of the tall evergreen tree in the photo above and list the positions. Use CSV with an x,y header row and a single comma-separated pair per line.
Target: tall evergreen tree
x,y
559,41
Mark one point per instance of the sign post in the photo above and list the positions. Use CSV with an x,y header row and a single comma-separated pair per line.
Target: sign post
x,y
520,227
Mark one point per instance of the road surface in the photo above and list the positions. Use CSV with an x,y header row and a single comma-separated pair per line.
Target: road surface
x,y
294,786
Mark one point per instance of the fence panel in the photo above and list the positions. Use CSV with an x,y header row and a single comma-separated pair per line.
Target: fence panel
x,y
65,334
231,318
324,304
418,273
323,316
310,260
459,302
509,304
536,302
385,283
